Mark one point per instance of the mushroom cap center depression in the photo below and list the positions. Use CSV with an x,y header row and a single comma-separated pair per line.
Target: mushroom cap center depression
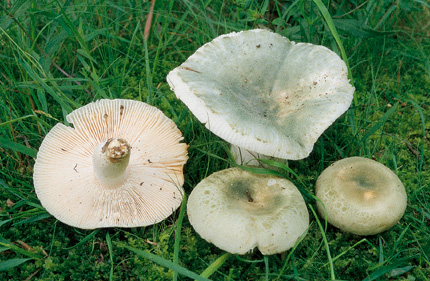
x,y
261,92
251,197
361,186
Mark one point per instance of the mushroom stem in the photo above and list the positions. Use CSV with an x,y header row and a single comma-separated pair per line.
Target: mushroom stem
x,y
245,157
110,161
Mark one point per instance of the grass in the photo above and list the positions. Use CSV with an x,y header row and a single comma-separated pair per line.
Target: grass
x,y
56,57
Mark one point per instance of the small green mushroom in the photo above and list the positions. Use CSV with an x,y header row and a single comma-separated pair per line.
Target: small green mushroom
x,y
237,211
360,196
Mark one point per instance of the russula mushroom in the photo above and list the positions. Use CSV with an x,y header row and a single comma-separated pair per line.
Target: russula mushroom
x,y
263,93
120,165
360,196
237,211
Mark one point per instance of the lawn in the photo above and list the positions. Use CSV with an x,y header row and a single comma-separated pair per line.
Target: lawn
x,y
56,56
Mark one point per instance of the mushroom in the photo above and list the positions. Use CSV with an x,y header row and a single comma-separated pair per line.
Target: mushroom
x,y
360,196
263,93
121,164
237,211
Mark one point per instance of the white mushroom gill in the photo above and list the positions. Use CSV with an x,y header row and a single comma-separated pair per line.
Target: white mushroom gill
x,y
119,164
110,161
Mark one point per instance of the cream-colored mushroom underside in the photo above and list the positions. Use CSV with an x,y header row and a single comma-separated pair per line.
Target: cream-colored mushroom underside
x,y
64,177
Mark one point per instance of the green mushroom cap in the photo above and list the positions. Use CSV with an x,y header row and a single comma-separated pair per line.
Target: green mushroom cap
x,y
264,93
237,211
360,196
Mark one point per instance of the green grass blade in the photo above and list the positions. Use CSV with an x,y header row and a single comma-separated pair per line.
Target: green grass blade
x,y
130,46
266,267
54,93
73,29
33,219
5,265
260,171
377,126
13,247
215,265
5,143
291,252
423,127
358,29
15,120
165,263
281,166
381,271
109,245
330,260
336,36
17,9
149,99
86,238
178,235
5,221
9,189
349,248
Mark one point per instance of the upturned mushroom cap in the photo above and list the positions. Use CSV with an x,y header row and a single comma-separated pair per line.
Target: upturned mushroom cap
x,y
361,196
238,211
121,164
264,93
